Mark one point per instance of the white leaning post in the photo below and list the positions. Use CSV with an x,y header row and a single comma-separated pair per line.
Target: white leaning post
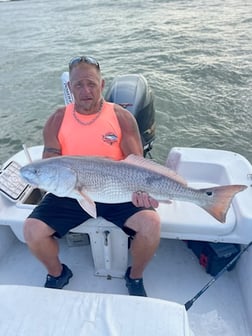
x,y
109,245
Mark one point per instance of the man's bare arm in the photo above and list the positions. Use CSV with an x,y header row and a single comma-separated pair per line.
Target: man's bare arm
x,y
50,133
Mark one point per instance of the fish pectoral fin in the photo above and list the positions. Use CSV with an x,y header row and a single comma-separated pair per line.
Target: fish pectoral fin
x,y
87,204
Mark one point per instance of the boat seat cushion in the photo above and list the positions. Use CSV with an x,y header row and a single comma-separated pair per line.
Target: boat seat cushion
x,y
55,312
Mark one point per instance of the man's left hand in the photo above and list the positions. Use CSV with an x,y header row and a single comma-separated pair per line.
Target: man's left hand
x,y
142,199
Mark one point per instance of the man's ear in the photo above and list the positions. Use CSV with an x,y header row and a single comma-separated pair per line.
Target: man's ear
x,y
102,84
69,85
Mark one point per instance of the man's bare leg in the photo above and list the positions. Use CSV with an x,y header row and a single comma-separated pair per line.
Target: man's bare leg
x,y
147,226
40,240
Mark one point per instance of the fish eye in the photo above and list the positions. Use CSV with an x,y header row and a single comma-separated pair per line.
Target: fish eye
x,y
36,171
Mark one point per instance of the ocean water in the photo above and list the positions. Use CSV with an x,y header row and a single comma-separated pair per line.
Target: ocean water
x,y
196,56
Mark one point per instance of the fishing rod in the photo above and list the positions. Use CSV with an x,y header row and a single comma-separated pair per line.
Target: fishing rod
x,y
189,303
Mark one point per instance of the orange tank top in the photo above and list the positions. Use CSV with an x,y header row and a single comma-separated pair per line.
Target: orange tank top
x,y
102,137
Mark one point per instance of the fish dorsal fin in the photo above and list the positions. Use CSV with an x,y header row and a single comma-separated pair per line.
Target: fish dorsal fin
x,y
155,167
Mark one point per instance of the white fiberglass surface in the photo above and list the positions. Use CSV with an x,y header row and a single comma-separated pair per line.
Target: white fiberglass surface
x,y
174,274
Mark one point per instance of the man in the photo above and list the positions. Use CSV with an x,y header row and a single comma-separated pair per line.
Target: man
x,y
92,126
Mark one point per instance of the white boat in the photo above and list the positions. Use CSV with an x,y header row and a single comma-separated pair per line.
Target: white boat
x,y
95,302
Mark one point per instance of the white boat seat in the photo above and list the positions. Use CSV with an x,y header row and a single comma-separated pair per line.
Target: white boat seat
x,y
64,312
203,168
183,220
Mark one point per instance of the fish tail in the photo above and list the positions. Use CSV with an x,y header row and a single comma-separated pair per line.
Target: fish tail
x,y
220,199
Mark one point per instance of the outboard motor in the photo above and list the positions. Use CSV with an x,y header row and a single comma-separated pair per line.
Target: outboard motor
x,y
133,93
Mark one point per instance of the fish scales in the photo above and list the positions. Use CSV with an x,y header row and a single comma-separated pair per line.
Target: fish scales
x,y
117,181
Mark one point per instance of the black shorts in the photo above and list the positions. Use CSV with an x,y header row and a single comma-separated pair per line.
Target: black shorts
x,y
63,214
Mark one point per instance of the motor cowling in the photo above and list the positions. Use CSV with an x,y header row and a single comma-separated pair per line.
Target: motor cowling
x,y
133,93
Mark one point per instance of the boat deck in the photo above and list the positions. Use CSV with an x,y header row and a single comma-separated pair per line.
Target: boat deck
x,y
174,274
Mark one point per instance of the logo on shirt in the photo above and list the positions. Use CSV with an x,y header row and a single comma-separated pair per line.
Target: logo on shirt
x,y
110,138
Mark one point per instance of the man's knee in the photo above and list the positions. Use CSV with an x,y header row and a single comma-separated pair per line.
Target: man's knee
x,y
151,226
145,222
35,230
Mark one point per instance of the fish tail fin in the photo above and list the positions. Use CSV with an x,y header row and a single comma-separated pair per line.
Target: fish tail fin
x,y
221,198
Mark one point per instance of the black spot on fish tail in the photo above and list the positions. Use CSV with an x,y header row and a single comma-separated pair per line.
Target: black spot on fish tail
x,y
209,193
220,199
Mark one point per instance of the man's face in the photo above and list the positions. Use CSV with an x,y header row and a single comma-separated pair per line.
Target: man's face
x,y
86,85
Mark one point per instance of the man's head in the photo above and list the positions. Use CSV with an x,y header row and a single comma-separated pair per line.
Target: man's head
x,y
86,83
83,59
